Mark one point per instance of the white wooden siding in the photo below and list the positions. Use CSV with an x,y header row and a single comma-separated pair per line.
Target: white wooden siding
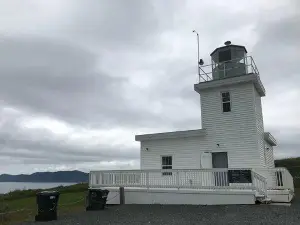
x,y
269,163
240,133
235,131
260,128
269,155
185,152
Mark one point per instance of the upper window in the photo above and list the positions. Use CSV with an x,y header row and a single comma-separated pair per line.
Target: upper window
x,y
225,55
226,103
166,164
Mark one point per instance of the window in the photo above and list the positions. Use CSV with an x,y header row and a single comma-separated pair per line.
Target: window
x,y
225,55
226,105
166,164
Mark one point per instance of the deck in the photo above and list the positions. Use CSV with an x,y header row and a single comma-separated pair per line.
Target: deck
x,y
197,186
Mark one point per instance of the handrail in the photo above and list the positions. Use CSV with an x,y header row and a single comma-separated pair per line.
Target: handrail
x,y
259,183
159,170
263,179
278,178
216,178
209,69
256,69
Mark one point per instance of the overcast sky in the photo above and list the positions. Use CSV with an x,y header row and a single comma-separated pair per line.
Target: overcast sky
x,y
79,78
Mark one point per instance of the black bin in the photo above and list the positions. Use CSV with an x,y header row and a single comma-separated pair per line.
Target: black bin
x,y
47,202
96,199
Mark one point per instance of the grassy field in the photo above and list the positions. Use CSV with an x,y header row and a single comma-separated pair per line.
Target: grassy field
x,y
72,199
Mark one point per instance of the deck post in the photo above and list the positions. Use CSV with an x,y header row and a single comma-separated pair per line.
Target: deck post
x,y
147,179
252,178
90,180
122,195
177,179
285,182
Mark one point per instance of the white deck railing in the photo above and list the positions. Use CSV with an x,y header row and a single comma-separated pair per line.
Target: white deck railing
x,y
277,178
221,70
196,179
259,183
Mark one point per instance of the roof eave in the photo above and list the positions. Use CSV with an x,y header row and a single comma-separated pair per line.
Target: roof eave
x,y
270,139
250,77
227,46
171,135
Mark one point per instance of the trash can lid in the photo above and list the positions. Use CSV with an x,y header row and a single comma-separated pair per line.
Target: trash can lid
x,y
48,193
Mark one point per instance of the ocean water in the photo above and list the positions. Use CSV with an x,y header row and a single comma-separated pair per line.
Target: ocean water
x,y
11,186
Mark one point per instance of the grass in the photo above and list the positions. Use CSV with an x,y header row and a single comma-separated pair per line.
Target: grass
x,y
72,199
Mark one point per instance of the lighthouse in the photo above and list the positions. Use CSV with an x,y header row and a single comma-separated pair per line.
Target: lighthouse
x,y
231,109
232,133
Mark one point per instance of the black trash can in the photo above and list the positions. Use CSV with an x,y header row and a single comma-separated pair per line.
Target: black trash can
x,y
96,199
47,202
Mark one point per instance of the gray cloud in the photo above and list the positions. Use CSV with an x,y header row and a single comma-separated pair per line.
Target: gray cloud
x,y
109,23
60,80
278,50
62,152
42,147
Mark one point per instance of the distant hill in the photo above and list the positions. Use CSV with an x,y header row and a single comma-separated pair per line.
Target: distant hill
x,y
54,177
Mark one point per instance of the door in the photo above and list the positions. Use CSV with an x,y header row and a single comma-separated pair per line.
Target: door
x,y
207,177
220,160
206,160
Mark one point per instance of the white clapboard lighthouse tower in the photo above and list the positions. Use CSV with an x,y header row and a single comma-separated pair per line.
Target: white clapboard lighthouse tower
x,y
231,90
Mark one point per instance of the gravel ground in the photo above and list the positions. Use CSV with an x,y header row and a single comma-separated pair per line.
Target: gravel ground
x,y
183,214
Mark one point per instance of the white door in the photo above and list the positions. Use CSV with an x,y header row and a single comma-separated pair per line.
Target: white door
x,y
206,160
206,163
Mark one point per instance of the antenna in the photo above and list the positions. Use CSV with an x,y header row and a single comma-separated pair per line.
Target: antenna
x,y
198,62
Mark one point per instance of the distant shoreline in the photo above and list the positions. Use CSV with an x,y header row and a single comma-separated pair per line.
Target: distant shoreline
x,y
47,177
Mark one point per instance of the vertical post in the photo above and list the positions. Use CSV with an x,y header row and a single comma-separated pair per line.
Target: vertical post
x,y
198,58
93,178
284,180
252,178
122,195
177,180
266,189
97,178
90,183
100,178
245,64
147,179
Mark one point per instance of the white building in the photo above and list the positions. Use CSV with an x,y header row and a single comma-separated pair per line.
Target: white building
x,y
229,161
232,134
